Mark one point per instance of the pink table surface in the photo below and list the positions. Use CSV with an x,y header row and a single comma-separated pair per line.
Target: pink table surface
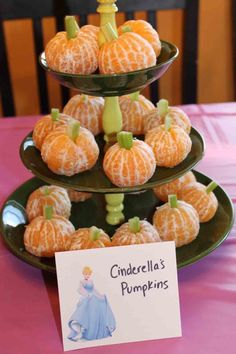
x,y
29,311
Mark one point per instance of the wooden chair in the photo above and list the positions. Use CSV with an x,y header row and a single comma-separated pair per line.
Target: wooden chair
x,y
38,9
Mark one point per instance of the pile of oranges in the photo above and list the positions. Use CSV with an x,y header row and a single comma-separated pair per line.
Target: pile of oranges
x,y
135,45
68,146
48,209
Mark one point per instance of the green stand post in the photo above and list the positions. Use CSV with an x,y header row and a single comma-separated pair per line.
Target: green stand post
x,y
112,117
114,208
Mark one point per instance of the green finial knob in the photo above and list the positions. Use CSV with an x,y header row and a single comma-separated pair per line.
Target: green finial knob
x,y
94,233
46,190
84,98
48,212
125,140
55,114
134,224
211,186
71,26
134,96
173,201
73,129
126,29
163,107
167,122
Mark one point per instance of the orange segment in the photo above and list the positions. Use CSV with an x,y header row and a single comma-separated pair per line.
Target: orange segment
x,y
180,224
206,204
45,237
170,147
87,110
67,157
173,187
83,239
125,236
145,30
133,112
129,167
129,52
48,195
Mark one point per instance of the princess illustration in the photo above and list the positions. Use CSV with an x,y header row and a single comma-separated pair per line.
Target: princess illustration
x,y
93,317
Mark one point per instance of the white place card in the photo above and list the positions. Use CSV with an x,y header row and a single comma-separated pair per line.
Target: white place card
x,y
118,295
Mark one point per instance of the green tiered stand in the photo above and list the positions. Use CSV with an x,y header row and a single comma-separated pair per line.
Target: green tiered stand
x,y
110,211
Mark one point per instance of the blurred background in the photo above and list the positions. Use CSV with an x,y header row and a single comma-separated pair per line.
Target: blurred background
x,y
214,57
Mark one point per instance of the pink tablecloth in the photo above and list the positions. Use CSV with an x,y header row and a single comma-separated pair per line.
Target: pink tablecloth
x,y
29,312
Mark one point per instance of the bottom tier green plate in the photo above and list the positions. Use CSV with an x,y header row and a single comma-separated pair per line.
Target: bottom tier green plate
x,y
92,212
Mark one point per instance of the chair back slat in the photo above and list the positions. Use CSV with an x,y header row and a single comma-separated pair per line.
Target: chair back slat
x,y
41,74
38,9
65,92
154,87
83,20
190,52
5,80
129,15
10,9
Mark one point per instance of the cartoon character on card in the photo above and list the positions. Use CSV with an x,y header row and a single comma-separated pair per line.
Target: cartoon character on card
x,y
93,317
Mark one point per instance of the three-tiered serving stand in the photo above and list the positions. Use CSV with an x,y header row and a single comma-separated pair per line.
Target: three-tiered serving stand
x,y
119,204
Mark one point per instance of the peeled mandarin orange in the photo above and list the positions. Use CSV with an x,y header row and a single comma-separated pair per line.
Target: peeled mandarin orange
x,y
91,30
47,124
74,51
156,117
87,110
129,162
173,187
89,238
128,52
133,108
70,151
78,196
145,30
170,144
176,221
55,196
48,234
201,198
135,231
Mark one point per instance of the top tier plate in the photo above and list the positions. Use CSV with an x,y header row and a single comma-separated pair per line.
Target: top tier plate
x,y
116,84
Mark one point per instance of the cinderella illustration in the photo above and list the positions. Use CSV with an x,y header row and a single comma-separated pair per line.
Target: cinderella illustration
x,y
93,317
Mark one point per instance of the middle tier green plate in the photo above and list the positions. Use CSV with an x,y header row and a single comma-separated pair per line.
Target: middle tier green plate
x,y
95,180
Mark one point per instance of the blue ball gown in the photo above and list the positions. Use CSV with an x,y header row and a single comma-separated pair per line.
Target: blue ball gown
x,y
93,317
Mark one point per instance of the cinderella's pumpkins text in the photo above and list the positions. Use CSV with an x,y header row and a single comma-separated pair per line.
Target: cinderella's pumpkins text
x,y
117,272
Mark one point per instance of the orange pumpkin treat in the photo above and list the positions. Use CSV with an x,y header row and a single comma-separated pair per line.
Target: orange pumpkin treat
x,y
173,187
89,238
129,162
48,234
170,144
55,196
156,117
135,231
133,108
145,30
201,198
70,151
73,51
87,110
47,124
91,30
176,221
128,52
78,196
